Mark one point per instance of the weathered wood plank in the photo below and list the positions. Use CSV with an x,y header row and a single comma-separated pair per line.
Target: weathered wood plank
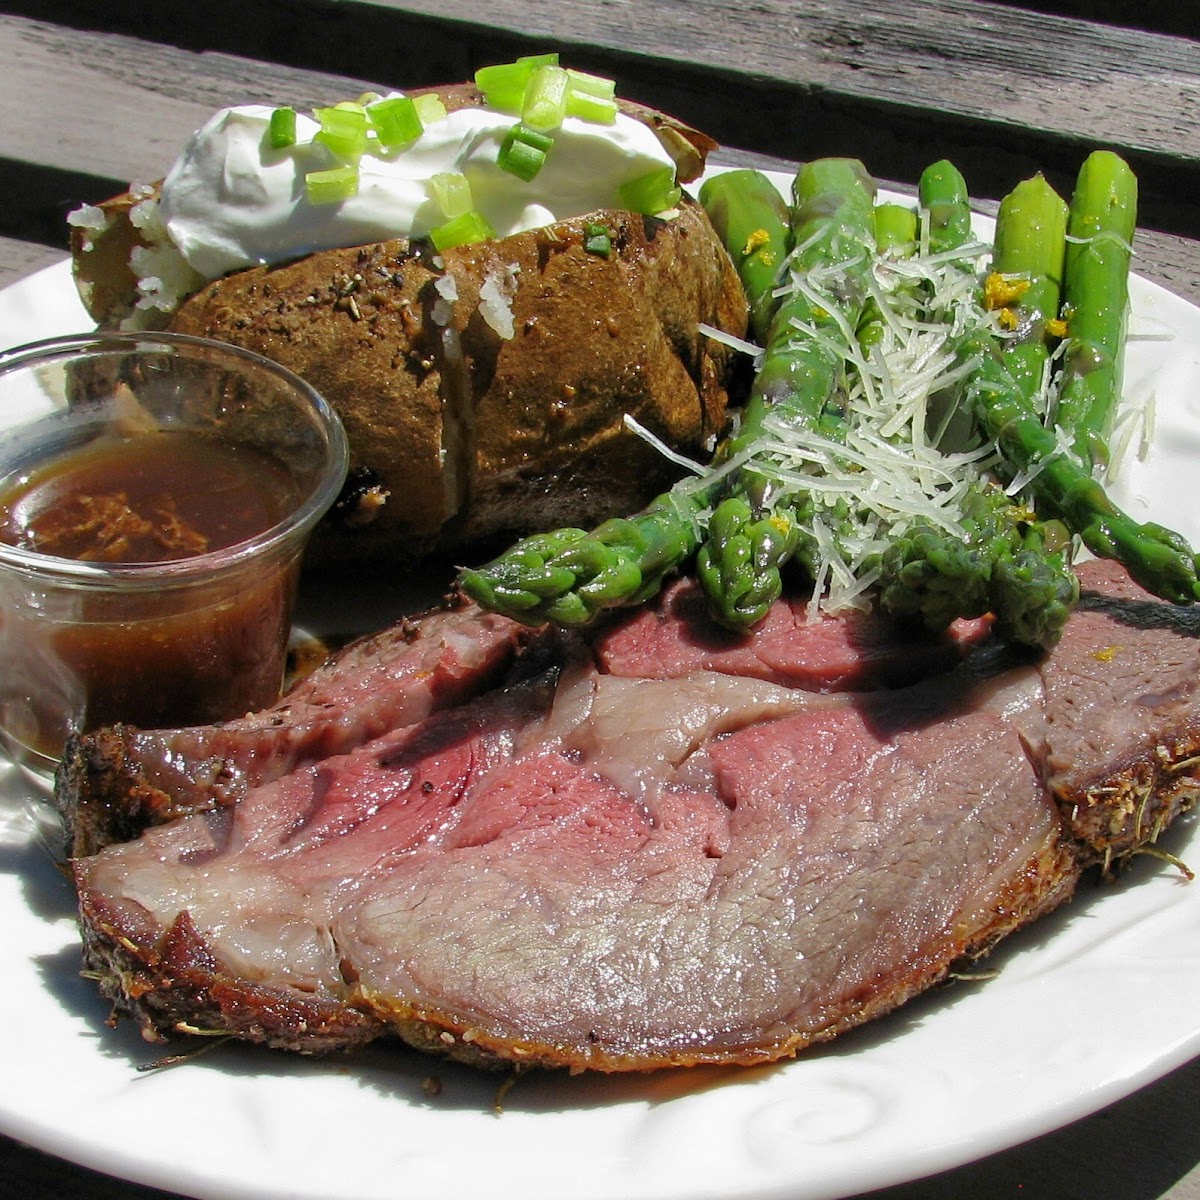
x,y
18,259
128,123
1162,16
1000,89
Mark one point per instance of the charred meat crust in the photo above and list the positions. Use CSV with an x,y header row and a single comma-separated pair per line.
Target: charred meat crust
x,y
204,1001
1136,688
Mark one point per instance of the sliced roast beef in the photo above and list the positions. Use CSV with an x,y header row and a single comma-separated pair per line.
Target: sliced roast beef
x,y
852,652
140,777
570,860
1122,713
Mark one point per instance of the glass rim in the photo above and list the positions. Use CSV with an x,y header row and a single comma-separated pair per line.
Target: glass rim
x,y
178,572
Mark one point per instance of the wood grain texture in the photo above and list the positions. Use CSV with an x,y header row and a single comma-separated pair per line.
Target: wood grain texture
x,y
120,125
18,259
1161,16
998,88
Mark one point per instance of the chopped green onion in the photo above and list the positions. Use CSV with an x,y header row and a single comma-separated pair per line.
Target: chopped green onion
x,y
452,191
597,239
343,130
332,186
462,230
523,151
593,109
282,131
429,108
545,102
654,192
591,97
395,121
592,85
503,85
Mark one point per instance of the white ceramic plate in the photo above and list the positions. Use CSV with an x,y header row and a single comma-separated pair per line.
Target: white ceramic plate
x,y
952,1077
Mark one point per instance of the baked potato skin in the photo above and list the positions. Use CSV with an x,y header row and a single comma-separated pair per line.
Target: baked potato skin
x,y
475,437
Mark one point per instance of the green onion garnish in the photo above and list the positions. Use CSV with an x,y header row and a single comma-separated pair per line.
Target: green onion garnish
x,y
282,131
462,230
503,85
395,121
429,108
591,85
343,130
523,151
654,192
545,102
332,186
593,109
452,193
591,97
597,239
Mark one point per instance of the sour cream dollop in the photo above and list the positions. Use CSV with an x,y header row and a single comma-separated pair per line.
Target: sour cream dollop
x,y
232,201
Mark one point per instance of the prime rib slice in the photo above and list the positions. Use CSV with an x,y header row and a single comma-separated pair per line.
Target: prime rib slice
x,y
644,847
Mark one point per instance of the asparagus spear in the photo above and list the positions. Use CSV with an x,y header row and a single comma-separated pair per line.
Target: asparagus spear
x,y
896,232
752,220
1005,562
1027,271
568,576
942,192
834,237
754,531
1159,559
895,227
1002,560
1103,216
1060,482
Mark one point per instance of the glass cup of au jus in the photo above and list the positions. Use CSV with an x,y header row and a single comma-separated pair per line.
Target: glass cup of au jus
x,y
157,492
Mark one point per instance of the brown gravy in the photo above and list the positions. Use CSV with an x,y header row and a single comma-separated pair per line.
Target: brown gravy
x,y
151,498
73,660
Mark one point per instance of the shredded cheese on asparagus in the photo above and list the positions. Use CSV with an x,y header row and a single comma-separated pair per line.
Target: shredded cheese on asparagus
x,y
891,467
898,457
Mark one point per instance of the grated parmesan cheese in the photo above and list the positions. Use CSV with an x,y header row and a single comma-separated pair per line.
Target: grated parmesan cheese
x,y
893,467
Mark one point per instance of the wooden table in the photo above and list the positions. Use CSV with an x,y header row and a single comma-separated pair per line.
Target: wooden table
x,y
103,93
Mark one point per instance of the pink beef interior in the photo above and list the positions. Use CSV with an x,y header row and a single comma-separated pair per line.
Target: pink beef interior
x,y
648,847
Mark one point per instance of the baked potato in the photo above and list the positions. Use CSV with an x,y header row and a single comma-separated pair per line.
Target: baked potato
x,y
484,388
